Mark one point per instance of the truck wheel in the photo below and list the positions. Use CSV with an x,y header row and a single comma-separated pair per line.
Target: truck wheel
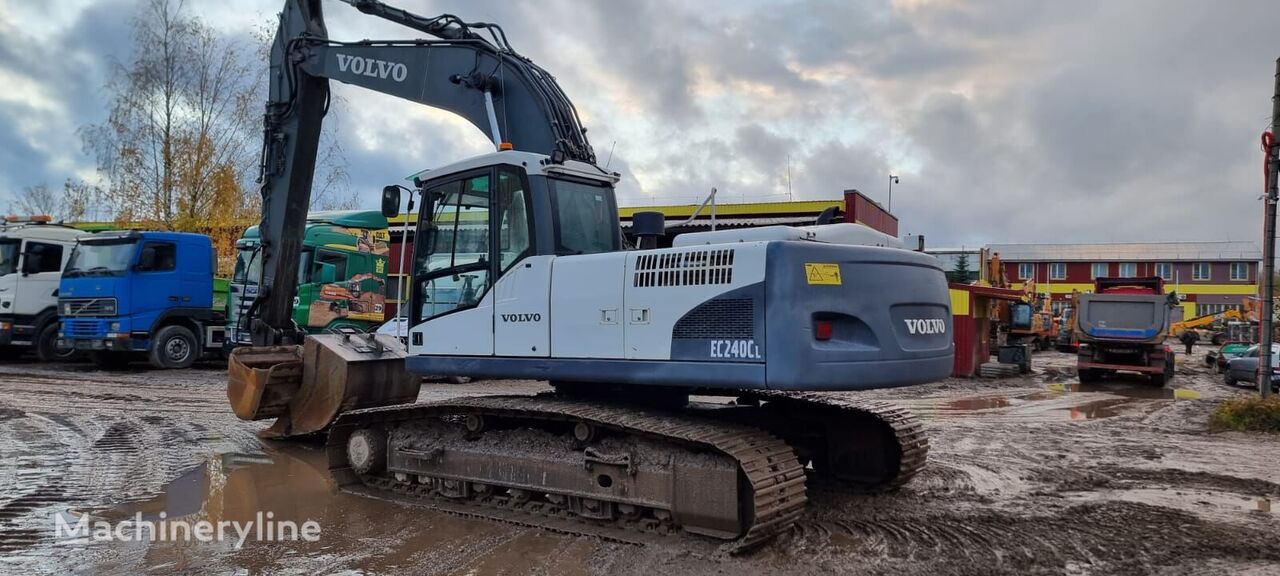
x,y
174,347
1158,380
109,360
1088,376
47,349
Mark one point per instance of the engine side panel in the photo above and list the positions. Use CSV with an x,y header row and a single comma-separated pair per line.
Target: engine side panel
x,y
662,287
586,306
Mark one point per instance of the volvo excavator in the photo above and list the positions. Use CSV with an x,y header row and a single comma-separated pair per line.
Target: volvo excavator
x,y
521,270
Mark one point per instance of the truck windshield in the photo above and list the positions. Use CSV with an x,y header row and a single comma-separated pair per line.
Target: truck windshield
x,y
9,256
248,266
100,258
586,219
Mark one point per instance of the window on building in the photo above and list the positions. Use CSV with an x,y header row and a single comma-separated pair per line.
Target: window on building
x,y
1058,271
1164,270
1207,309
1128,269
1200,271
1098,270
1026,270
1239,270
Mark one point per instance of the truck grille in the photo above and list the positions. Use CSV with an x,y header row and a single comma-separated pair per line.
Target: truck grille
x,y
87,307
83,328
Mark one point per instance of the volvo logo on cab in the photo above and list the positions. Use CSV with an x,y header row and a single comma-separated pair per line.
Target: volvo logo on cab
x,y
926,326
535,317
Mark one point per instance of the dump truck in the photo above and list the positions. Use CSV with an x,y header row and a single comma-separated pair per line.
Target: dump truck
x,y
129,294
342,277
1122,326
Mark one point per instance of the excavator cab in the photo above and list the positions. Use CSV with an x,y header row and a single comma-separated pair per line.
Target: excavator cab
x,y
478,219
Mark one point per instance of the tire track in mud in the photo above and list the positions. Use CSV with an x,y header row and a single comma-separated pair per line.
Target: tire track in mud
x,y
1110,536
37,454
84,441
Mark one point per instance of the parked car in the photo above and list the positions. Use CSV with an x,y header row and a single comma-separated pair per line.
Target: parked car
x,y
1244,368
1233,349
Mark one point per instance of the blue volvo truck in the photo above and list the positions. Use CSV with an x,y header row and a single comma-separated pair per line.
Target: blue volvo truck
x,y
127,295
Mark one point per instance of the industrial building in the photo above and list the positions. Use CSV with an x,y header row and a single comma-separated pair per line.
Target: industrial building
x,y
1208,277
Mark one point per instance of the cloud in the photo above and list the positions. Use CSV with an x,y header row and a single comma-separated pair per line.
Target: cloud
x,y
1007,120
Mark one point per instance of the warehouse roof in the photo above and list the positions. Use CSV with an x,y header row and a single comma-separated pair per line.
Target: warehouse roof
x,y
1129,251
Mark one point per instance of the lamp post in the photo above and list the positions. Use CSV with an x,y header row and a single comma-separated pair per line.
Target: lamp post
x,y
892,180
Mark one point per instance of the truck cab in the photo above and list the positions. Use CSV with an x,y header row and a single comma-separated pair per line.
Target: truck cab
x,y
342,279
126,294
33,252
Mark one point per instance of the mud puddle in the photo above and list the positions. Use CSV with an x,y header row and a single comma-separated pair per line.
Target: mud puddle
x,y
290,485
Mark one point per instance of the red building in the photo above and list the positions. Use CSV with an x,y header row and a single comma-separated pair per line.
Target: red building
x,y
1209,277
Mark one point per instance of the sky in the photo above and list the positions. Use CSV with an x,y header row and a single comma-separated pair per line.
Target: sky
x,y
1006,120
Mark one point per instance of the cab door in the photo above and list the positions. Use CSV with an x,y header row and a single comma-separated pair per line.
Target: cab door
x,y
41,269
454,267
477,289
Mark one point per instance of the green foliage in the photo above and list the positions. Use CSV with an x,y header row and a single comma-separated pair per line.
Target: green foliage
x,y
1248,413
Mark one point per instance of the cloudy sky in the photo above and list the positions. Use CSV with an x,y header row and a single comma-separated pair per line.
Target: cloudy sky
x,y
1007,120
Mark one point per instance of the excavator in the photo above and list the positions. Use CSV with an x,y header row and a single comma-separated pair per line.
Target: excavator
x,y
520,270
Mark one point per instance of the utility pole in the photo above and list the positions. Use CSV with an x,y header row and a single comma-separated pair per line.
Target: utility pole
x,y
1269,244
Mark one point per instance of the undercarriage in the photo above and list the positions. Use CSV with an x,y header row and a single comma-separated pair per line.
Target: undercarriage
x,y
733,471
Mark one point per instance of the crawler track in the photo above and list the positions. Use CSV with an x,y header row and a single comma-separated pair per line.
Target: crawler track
x,y
773,480
771,476
886,442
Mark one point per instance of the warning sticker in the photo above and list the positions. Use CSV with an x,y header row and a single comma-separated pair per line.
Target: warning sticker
x,y
824,274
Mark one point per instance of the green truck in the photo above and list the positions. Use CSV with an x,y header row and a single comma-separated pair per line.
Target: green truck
x,y
342,278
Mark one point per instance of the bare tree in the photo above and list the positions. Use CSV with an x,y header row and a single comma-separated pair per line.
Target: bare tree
x,y
179,147
38,199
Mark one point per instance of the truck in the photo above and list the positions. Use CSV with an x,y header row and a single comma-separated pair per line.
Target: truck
x,y
129,294
1122,326
342,275
33,251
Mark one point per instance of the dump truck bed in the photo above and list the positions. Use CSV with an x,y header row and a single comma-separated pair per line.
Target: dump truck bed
x,y
1131,318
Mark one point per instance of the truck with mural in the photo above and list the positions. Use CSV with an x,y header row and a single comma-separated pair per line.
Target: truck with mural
x,y
33,251
125,295
342,279
1122,326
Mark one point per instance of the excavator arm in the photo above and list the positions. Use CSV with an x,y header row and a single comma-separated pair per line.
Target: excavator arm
x,y
484,81
307,382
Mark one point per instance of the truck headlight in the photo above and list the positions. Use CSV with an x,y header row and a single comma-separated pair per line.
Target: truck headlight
x,y
109,308
66,309
115,326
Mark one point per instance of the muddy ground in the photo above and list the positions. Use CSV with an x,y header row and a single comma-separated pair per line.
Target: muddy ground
x,y
1026,475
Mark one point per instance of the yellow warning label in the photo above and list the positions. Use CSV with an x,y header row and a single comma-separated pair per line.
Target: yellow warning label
x,y
825,274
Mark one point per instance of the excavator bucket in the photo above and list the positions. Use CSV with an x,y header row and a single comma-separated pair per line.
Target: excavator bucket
x,y
306,387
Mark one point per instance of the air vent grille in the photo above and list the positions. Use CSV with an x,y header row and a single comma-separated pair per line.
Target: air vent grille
x,y
693,268
727,318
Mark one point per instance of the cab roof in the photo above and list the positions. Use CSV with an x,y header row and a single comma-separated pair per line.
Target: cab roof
x,y
532,162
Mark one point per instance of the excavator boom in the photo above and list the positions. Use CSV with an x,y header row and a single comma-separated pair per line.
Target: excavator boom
x,y
486,82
